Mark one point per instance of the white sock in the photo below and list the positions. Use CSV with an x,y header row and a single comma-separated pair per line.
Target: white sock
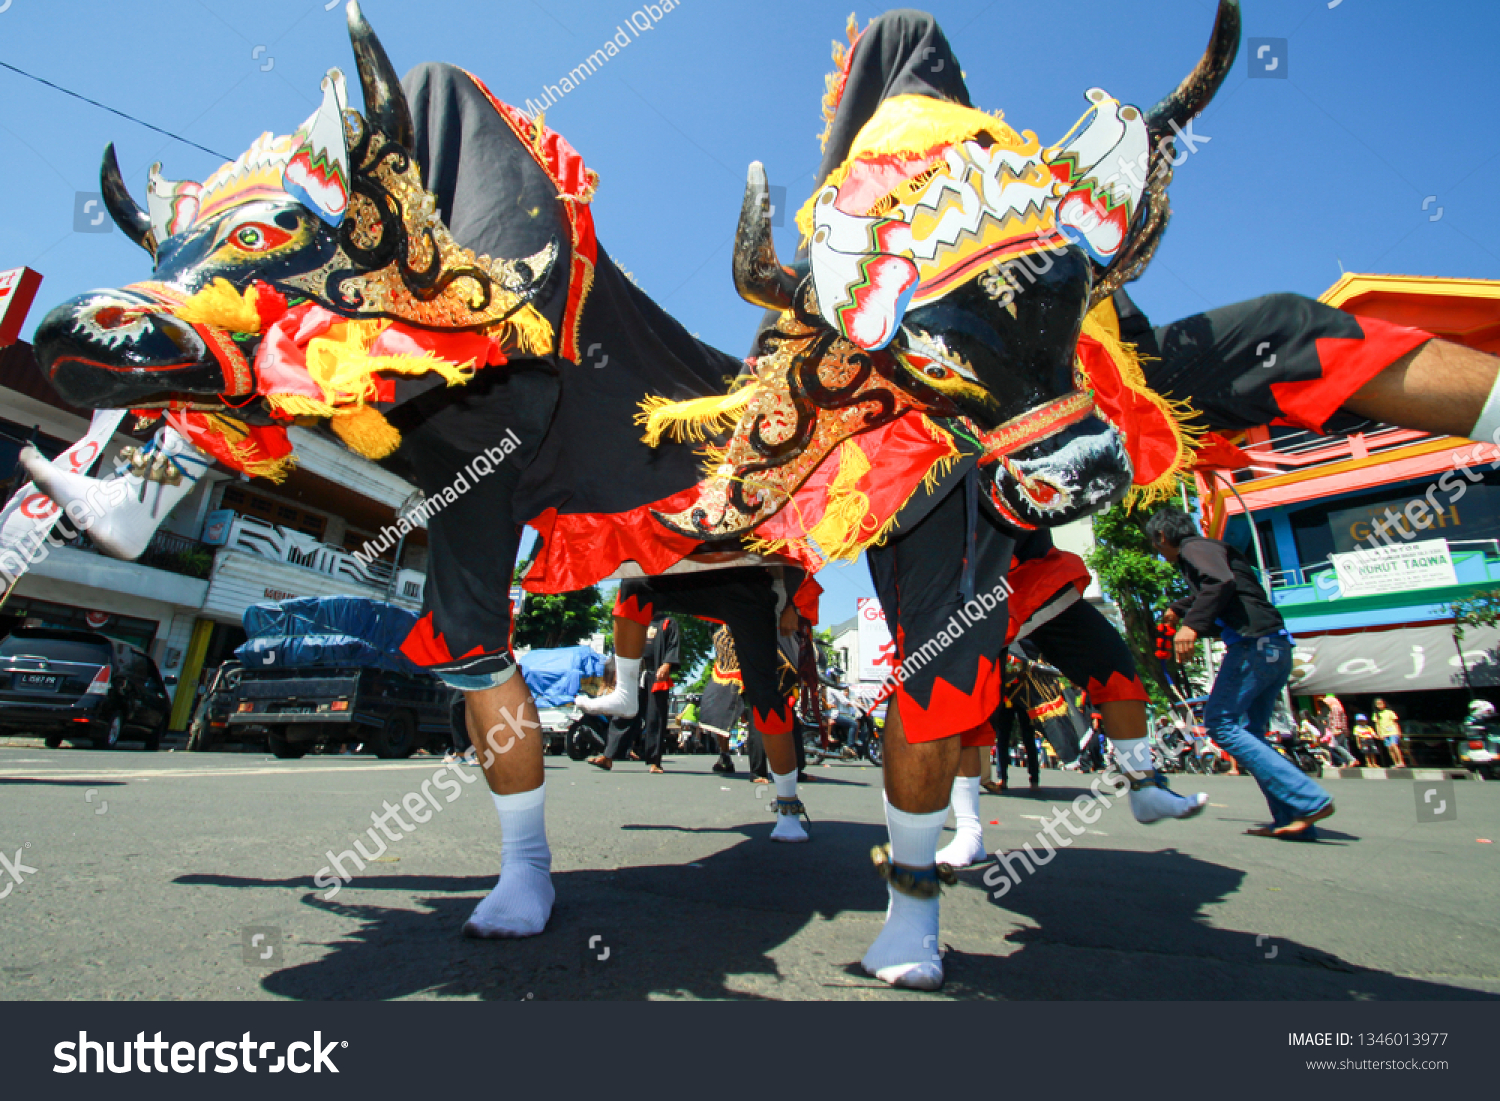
x,y
521,902
907,952
1134,756
788,826
1487,427
786,786
624,698
967,847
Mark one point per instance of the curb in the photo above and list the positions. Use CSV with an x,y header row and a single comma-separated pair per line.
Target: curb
x,y
1397,774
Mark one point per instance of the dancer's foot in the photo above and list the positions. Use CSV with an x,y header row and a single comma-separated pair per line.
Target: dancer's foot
x,y
789,828
519,906
964,851
619,703
906,954
657,769
1299,826
127,508
1152,800
760,780
992,787
725,765
602,762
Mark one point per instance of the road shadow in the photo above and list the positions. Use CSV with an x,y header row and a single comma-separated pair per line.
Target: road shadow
x,y
1095,925
1111,924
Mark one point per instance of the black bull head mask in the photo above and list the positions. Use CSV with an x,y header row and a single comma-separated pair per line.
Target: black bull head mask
x,y
335,214
974,265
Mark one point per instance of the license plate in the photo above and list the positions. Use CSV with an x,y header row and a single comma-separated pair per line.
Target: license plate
x,y
297,709
35,682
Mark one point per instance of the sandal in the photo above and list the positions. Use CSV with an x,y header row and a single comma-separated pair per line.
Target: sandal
x,y
992,787
1300,825
657,769
601,762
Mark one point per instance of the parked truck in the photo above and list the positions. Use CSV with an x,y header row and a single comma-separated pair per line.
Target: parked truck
x,y
328,670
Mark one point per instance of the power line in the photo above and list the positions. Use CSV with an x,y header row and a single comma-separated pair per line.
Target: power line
x,y
113,111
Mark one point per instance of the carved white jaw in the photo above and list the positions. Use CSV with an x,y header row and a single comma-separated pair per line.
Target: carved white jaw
x,y
120,514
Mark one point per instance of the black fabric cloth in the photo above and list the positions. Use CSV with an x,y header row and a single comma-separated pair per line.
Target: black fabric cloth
x,y
1010,723
919,576
472,542
901,53
498,201
1224,362
1226,591
744,601
645,731
663,647
723,702
1084,647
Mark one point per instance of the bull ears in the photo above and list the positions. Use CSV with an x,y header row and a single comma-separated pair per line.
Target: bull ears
x,y
318,173
172,206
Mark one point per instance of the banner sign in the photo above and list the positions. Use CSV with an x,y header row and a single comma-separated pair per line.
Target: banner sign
x,y
30,515
17,291
1401,568
1408,659
877,650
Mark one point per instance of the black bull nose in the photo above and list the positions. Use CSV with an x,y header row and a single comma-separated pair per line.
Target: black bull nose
x,y
1081,470
117,350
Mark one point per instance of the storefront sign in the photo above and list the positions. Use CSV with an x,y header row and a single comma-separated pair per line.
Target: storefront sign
x,y
1402,568
216,527
877,650
17,291
1408,659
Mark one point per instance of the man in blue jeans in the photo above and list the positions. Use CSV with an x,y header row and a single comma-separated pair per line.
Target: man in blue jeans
x,y
1228,600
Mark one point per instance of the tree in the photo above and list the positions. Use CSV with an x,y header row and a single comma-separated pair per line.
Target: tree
x,y
1482,609
1140,583
562,619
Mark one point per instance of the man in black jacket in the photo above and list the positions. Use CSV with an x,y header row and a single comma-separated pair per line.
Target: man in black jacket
x,y
1228,600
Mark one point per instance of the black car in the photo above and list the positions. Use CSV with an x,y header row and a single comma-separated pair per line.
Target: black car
x,y
77,685
211,718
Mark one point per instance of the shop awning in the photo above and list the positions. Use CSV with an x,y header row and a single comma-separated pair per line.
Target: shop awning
x,y
1407,659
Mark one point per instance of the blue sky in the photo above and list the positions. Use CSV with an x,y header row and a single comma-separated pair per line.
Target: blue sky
x,y
1372,153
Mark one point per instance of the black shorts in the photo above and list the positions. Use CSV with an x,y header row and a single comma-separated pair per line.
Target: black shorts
x,y
950,644
473,534
1281,359
744,600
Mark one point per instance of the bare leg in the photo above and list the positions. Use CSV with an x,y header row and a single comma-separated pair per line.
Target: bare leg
x,y
503,726
1439,387
918,777
971,762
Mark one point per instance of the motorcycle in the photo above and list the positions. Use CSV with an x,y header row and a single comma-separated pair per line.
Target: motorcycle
x,y
1298,752
1207,758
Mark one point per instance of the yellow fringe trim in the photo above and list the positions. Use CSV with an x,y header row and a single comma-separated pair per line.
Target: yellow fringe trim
x,y
910,126
833,90
339,362
234,433
1103,325
692,420
944,465
223,307
526,330
366,432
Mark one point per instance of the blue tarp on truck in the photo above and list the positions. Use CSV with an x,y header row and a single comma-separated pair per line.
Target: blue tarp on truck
x,y
327,630
555,676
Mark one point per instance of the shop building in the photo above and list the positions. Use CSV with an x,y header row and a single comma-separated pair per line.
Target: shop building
x,y
1367,540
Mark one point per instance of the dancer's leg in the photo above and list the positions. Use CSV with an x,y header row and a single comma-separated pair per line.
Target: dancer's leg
x,y
1443,388
967,846
633,614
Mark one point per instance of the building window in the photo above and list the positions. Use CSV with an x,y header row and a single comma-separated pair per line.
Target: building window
x,y
249,503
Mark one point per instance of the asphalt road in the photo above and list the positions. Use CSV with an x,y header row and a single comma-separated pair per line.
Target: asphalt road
x,y
154,872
